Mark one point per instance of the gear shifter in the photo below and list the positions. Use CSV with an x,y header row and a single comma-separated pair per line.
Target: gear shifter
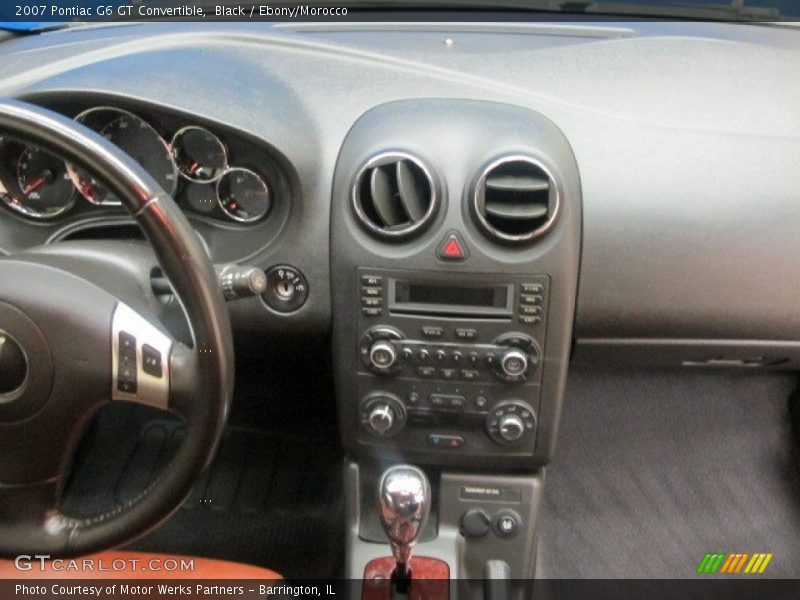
x,y
404,503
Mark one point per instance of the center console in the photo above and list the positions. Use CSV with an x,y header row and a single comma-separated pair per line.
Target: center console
x,y
450,362
455,245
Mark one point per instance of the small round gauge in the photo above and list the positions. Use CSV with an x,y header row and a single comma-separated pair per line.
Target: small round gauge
x,y
243,195
136,138
199,154
45,190
201,198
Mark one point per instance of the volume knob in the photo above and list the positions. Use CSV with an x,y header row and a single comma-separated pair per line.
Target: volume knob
x,y
514,362
382,355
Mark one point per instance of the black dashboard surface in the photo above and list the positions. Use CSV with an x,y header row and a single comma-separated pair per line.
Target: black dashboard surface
x,y
686,137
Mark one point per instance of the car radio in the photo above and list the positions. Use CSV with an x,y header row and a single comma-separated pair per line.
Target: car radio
x,y
450,362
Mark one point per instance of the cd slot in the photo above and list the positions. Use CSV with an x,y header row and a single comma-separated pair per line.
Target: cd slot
x,y
455,312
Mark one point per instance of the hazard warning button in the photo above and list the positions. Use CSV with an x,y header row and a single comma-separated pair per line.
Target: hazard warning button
x,y
452,247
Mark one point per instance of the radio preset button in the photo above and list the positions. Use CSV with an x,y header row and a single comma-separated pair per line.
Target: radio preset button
x,y
481,402
441,355
408,353
424,355
474,358
426,372
456,356
470,374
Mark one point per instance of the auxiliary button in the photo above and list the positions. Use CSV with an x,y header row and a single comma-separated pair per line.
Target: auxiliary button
x,y
447,373
452,442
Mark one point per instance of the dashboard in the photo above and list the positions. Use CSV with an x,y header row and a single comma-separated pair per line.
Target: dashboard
x,y
688,188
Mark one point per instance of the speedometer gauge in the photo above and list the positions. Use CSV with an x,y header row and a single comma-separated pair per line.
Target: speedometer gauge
x,y
45,190
243,195
137,139
199,154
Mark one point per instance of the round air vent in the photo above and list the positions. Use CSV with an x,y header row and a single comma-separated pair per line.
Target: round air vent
x,y
515,200
394,196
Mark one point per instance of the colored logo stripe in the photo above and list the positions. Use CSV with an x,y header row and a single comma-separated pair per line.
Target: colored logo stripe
x,y
758,564
710,563
721,562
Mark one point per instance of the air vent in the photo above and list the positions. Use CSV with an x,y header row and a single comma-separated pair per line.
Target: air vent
x,y
394,196
515,200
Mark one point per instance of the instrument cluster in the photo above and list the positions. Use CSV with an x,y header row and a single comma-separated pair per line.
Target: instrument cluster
x,y
195,167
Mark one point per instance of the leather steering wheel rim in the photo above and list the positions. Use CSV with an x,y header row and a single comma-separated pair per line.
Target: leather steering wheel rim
x,y
201,377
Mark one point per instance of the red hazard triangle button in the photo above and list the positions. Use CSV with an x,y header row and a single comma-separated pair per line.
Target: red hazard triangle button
x,y
452,247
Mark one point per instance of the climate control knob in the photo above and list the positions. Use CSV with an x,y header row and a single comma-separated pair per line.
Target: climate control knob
x,y
382,355
381,418
511,422
514,362
511,428
382,414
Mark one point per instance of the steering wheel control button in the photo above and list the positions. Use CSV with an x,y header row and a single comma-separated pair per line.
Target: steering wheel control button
x,y
151,361
139,351
446,442
475,523
126,377
452,247
506,523
286,289
511,422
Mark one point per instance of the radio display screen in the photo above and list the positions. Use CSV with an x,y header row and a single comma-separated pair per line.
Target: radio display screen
x,y
458,296
415,296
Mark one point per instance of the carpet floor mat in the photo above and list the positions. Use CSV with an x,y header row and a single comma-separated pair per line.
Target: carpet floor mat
x,y
267,499
654,469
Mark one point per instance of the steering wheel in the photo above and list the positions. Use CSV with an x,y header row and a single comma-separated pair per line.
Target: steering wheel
x,y
71,347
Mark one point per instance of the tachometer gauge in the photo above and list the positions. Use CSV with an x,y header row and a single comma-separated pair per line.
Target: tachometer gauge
x,y
199,154
137,139
243,195
45,189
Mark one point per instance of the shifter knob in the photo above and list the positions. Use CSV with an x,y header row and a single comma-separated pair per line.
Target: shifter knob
x,y
404,503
